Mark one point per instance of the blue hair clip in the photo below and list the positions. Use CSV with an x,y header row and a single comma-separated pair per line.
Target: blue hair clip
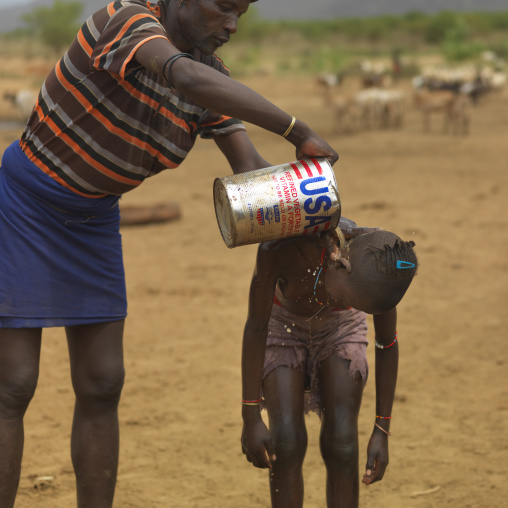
x,y
404,265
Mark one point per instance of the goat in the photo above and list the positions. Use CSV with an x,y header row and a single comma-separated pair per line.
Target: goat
x,y
24,100
327,83
346,114
475,82
344,111
380,107
459,118
454,107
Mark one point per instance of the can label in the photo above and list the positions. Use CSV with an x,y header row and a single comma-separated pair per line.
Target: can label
x,y
277,202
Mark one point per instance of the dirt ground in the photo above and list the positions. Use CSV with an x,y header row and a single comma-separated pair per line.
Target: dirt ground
x,y
180,410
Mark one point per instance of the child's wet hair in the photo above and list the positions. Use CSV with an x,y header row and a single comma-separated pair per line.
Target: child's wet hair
x,y
388,256
383,266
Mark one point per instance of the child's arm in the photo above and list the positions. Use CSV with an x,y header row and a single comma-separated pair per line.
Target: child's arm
x,y
256,441
387,362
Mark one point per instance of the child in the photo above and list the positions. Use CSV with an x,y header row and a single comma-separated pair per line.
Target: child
x,y
307,305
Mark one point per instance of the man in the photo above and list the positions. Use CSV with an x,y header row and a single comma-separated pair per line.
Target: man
x,y
128,99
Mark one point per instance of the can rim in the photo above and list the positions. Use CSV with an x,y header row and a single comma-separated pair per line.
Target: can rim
x,y
219,189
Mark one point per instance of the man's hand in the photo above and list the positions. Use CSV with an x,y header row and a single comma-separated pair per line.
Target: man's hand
x,y
315,146
309,144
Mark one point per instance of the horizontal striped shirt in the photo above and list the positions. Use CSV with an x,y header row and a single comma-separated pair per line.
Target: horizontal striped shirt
x,y
102,122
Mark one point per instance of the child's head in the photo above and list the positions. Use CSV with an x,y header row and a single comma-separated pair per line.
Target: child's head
x,y
382,267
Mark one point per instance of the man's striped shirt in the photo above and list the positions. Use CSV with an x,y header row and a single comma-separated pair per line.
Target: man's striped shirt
x,y
103,123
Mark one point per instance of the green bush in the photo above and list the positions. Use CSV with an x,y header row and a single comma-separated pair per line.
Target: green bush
x,y
322,59
457,44
455,52
439,26
56,25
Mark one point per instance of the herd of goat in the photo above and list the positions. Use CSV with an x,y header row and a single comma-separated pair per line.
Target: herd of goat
x,y
378,104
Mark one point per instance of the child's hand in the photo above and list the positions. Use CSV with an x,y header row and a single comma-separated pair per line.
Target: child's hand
x,y
377,458
257,444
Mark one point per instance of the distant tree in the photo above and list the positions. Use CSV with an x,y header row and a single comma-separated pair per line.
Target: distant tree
x,y
375,29
439,25
458,45
415,22
56,25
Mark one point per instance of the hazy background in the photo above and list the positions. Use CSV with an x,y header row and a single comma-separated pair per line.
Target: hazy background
x,y
10,12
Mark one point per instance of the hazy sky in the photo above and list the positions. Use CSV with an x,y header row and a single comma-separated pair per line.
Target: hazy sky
x,y
286,9
266,7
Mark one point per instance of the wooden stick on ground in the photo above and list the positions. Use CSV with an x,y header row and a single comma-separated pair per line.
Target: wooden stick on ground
x,y
425,492
137,215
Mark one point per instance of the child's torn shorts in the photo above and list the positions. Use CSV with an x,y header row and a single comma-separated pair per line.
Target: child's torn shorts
x,y
291,344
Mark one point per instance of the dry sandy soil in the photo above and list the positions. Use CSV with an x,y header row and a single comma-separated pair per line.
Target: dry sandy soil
x,y
180,411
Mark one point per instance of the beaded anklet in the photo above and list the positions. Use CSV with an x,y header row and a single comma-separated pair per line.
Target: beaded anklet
x,y
251,402
381,346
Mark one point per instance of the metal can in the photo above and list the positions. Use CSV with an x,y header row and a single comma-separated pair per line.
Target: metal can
x,y
277,202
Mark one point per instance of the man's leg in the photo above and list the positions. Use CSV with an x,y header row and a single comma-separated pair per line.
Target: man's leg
x,y
341,397
283,390
19,370
96,356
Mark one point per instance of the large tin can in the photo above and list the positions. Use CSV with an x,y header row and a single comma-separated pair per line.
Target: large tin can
x,y
291,199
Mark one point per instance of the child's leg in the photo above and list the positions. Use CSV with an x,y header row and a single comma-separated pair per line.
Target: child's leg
x,y
283,390
341,397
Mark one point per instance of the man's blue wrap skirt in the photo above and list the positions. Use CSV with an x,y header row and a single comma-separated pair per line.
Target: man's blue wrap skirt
x,y
60,253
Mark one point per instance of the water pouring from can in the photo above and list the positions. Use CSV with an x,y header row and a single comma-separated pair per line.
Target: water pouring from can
x,y
291,199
